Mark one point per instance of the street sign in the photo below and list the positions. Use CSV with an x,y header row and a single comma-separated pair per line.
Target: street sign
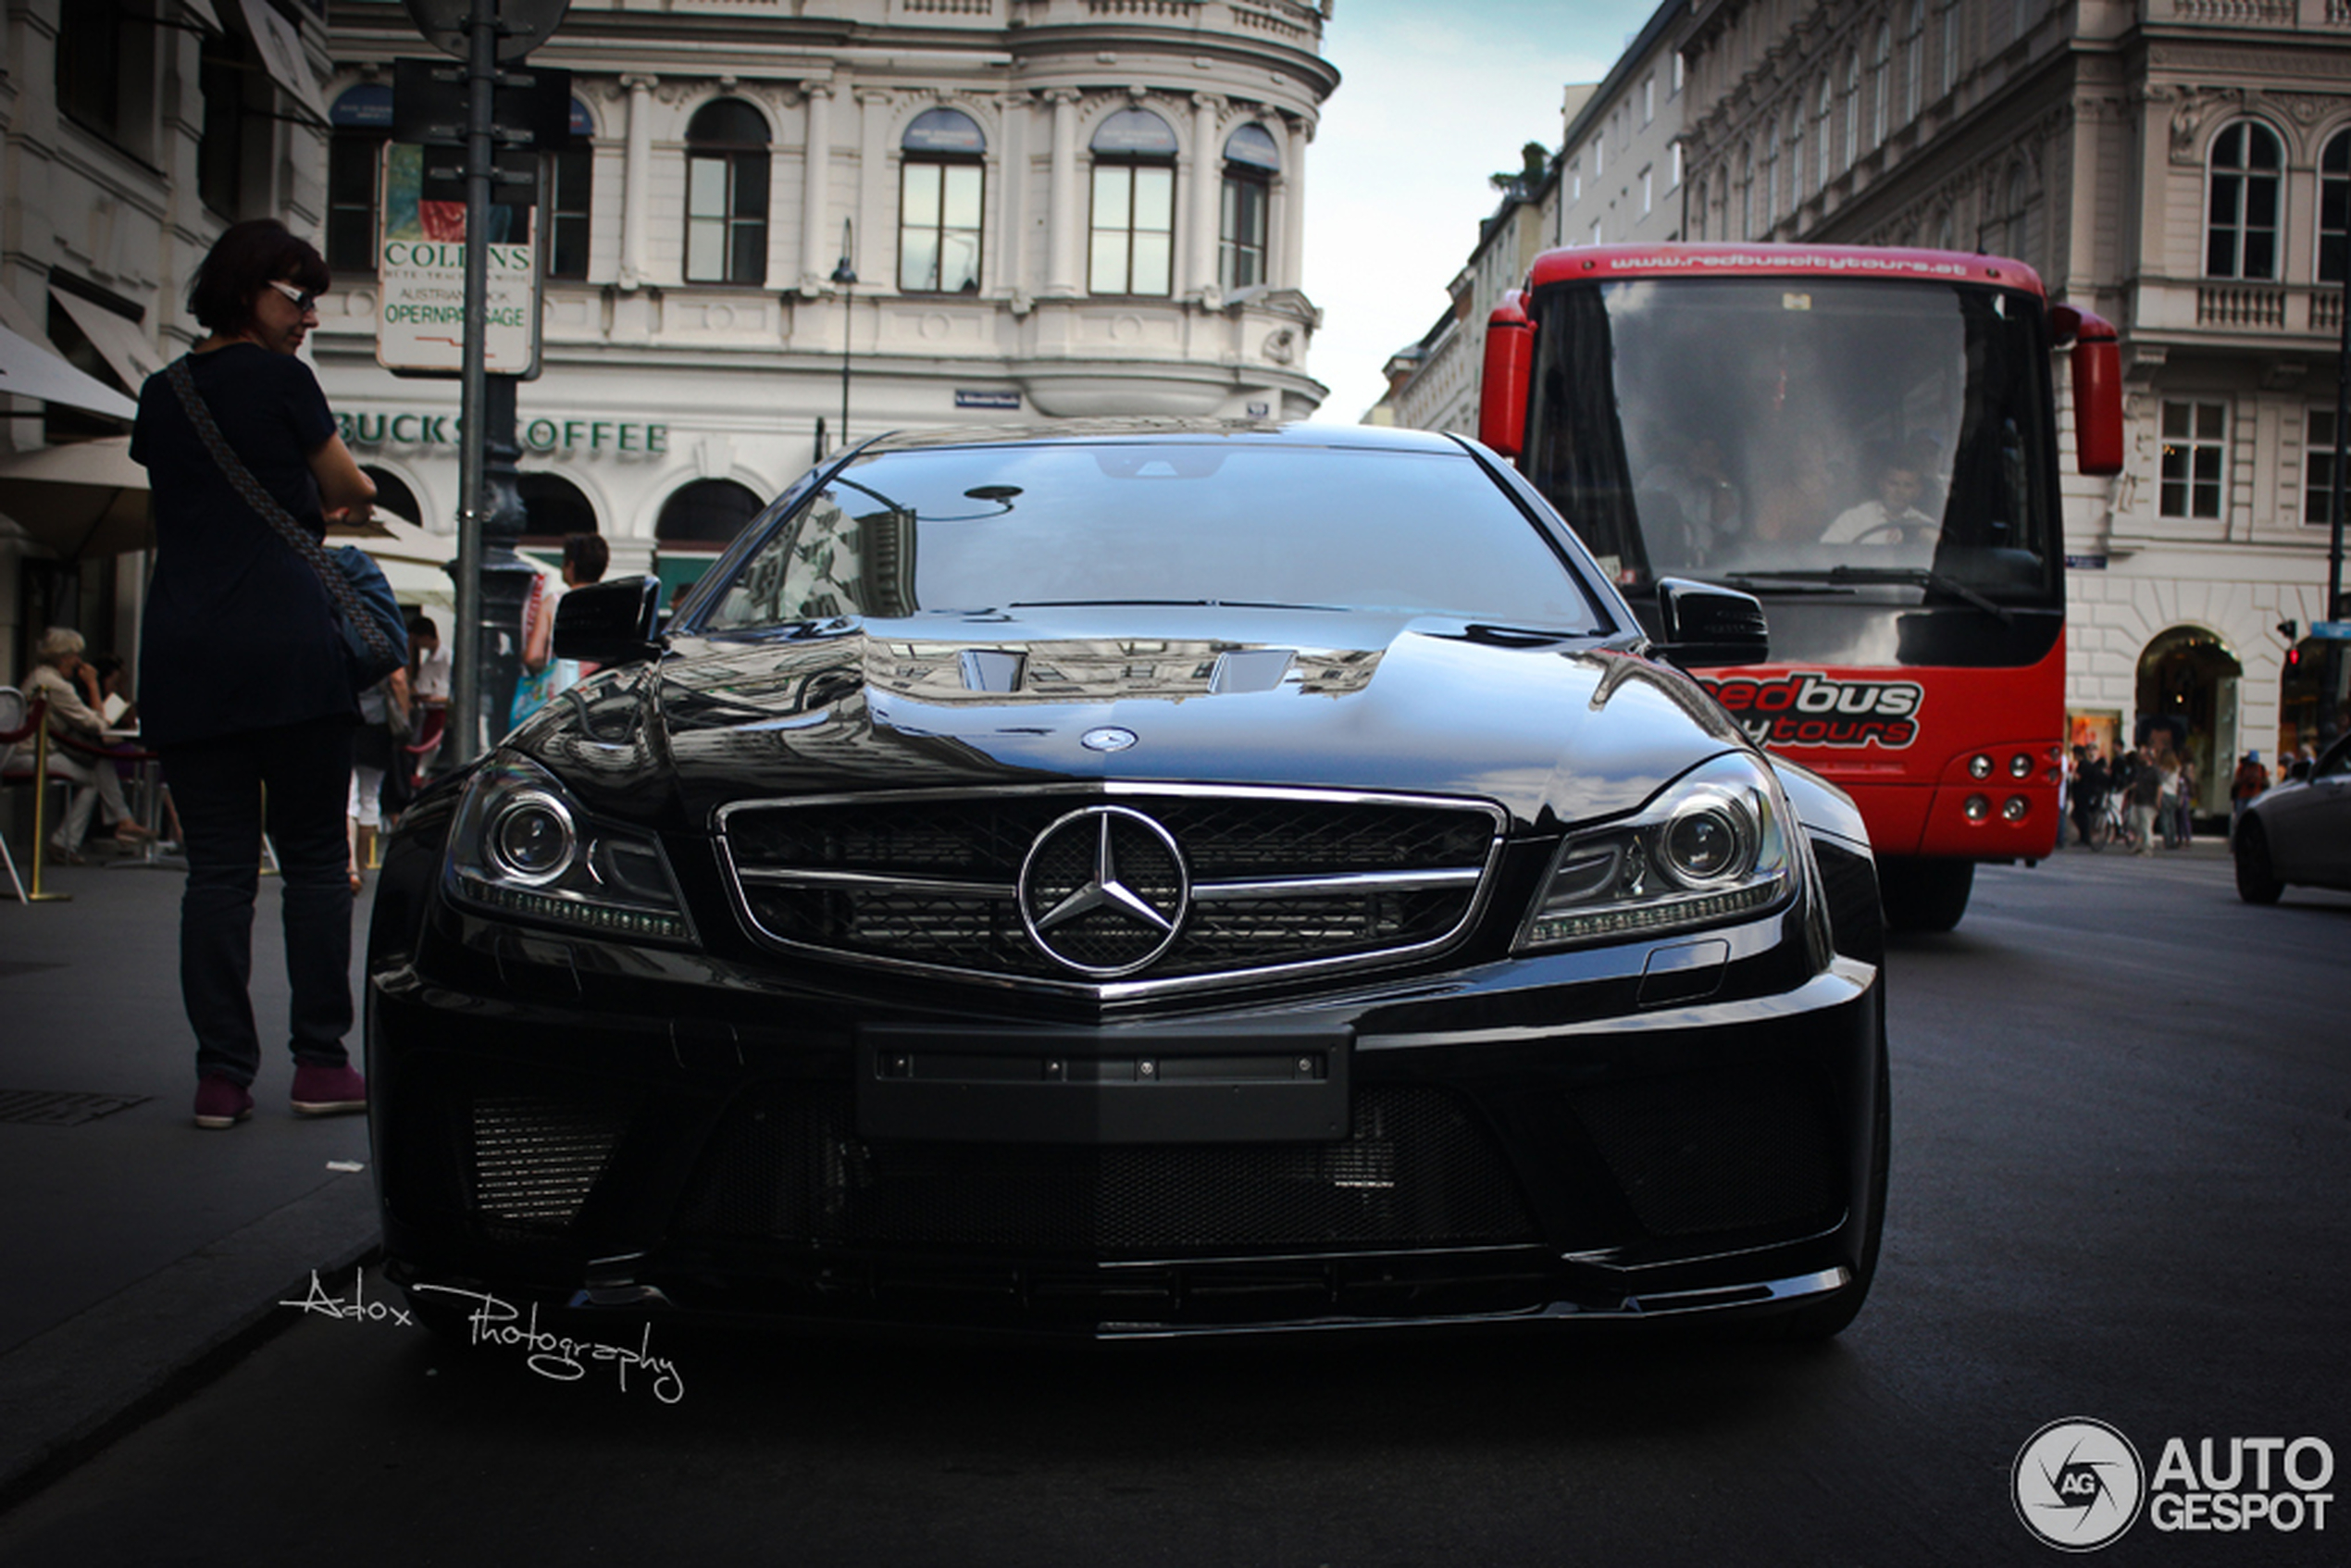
x,y
523,25
420,319
2332,631
531,110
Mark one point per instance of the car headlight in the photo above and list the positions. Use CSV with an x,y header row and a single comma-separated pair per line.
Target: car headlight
x,y
522,847
1712,846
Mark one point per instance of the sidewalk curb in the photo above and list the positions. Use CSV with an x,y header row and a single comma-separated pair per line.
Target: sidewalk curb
x,y
69,1392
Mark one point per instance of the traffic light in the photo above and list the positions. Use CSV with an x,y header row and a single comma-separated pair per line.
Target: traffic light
x,y
2294,658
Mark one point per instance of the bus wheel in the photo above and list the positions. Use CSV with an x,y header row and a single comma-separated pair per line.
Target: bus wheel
x,y
1925,895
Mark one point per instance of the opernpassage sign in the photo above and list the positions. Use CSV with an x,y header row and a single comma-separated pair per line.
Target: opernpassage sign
x,y
420,317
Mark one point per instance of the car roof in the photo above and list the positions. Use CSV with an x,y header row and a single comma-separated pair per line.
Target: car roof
x,y
1151,430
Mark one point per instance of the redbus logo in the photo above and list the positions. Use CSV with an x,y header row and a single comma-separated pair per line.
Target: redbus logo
x,y
1807,708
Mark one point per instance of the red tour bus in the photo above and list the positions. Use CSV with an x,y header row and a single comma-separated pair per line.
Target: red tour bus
x,y
1867,441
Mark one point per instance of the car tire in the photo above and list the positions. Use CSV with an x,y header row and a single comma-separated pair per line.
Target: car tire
x,y
2256,878
1925,895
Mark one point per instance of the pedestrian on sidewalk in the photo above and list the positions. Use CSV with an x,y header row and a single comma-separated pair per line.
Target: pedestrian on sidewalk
x,y
2145,787
2251,780
243,676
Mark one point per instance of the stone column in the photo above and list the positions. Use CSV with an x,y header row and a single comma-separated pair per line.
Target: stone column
x,y
815,266
636,181
1208,180
1065,209
1292,271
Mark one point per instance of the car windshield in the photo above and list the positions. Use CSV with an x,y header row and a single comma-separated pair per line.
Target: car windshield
x,y
1209,522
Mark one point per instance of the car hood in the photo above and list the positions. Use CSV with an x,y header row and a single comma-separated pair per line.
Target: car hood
x,y
1552,730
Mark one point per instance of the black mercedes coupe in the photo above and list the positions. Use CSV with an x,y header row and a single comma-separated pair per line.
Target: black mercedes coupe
x,y
1135,880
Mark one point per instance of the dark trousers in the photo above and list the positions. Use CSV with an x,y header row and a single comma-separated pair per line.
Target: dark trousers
x,y
302,772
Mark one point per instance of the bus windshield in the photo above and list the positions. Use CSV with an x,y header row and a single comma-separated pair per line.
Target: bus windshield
x,y
1837,445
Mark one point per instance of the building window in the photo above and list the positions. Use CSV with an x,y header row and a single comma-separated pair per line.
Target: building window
x,y
571,177
2335,209
1649,195
1913,60
1251,159
1134,214
941,189
1770,213
1852,108
1698,210
1881,85
227,76
392,494
2241,213
1821,151
1649,97
1575,182
1795,156
1673,154
90,65
2195,445
361,118
1950,72
1747,191
726,194
2015,239
1676,88
2318,470
554,508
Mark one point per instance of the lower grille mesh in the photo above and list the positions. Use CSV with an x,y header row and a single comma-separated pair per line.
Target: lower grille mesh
x,y
1417,1171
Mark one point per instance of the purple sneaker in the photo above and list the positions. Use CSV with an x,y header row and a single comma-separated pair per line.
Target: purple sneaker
x,y
221,1103
329,1091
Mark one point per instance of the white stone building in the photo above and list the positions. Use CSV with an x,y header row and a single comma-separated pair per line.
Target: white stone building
x,y
2182,166
132,133
1052,207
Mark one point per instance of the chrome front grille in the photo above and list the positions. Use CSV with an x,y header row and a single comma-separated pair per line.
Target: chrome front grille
x,y
1265,880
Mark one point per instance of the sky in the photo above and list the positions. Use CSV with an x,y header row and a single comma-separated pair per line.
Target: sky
x,y
1433,98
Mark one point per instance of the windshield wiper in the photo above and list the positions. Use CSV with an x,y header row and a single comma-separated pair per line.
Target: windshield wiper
x,y
1922,577
1156,604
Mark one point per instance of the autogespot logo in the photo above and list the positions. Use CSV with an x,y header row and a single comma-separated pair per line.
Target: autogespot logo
x,y
2078,1484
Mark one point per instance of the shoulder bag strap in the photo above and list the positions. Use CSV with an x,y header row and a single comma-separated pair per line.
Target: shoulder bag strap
x,y
298,538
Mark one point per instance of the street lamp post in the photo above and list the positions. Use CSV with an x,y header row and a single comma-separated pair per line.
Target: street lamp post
x,y
845,277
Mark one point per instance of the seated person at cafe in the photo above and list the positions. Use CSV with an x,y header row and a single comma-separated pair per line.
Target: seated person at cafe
x,y
55,679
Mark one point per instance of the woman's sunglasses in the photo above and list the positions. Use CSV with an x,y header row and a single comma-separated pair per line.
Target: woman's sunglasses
x,y
303,301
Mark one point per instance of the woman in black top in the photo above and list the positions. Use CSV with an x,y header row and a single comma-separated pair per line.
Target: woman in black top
x,y
242,689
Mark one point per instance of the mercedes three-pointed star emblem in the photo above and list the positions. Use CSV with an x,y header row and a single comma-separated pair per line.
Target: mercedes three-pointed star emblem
x,y
1104,890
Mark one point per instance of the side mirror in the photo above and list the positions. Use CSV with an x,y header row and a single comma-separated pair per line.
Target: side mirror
x,y
2098,387
611,623
1503,379
1700,625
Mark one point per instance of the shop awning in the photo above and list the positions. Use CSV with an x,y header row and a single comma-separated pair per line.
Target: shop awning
x,y
83,498
32,369
119,339
279,43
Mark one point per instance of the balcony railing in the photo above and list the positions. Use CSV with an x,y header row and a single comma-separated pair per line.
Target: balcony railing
x,y
2291,308
2253,13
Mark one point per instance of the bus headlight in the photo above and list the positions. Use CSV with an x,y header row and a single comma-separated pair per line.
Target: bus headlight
x,y
522,849
1712,846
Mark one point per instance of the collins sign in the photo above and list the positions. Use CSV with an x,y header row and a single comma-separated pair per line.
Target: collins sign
x,y
420,321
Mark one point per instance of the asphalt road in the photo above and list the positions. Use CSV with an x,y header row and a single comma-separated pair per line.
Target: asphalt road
x,y
2122,1144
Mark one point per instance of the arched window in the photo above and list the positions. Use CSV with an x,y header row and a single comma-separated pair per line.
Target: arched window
x,y
2014,240
1134,216
1770,213
1913,60
1881,71
2241,205
1821,146
1795,156
1698,210
1747,191
1950,73
571,176
2335,209
1852,108
705,515
392,494
726,194
1251,159
361,118
941,187
556,507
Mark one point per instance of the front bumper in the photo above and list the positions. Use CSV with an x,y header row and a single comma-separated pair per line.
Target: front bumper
x,y
579,1126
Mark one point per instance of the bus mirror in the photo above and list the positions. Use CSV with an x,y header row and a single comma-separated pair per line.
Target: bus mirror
x,y
1510,362
2098,387
1700,625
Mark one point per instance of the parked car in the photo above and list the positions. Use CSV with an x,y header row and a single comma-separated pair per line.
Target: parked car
x,y
2298,833
1135,880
